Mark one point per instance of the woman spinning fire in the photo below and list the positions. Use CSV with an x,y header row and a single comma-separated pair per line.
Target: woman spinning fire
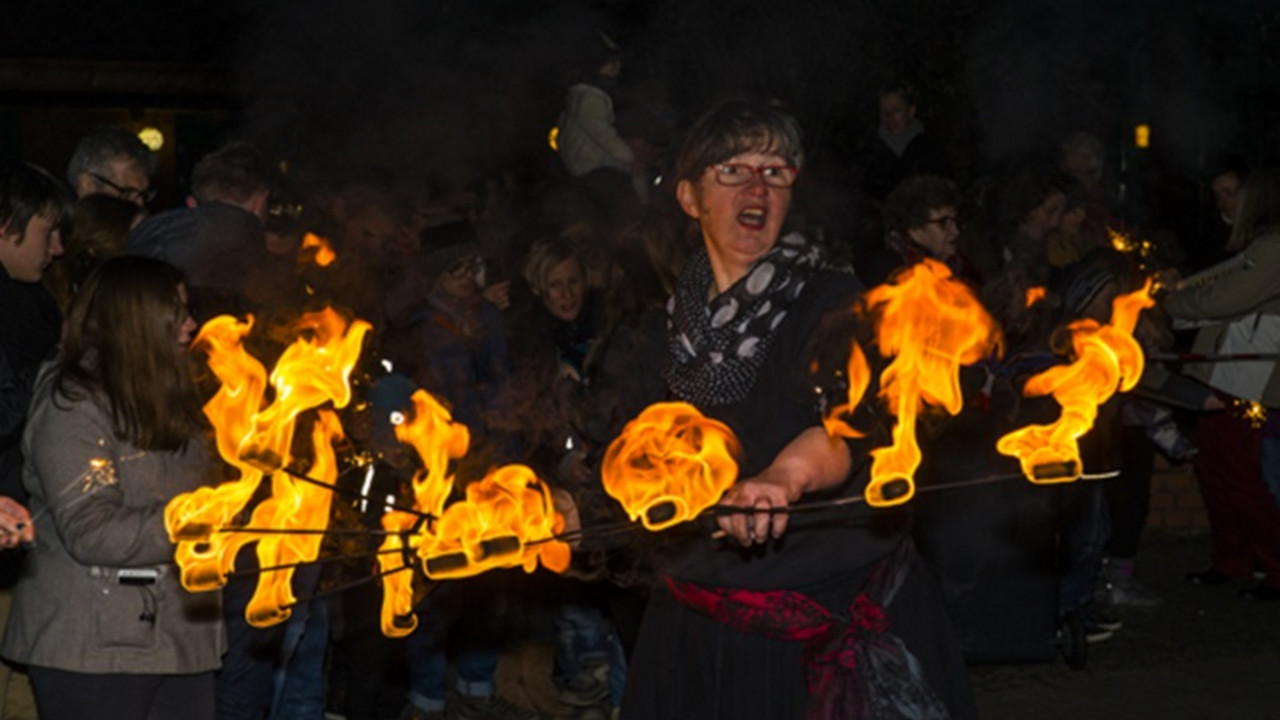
x,y
783,616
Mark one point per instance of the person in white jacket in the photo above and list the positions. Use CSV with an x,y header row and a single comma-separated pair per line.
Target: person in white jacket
x,y
588,140
602,164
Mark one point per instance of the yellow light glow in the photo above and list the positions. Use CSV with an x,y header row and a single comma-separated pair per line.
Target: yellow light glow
x,y
1142,136
152,138
552,137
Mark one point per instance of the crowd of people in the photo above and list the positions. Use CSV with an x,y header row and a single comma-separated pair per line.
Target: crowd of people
x,y
546,312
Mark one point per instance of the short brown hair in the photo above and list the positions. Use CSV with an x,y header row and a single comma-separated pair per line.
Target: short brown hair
x,y
121,344
232,174
736,126
908,205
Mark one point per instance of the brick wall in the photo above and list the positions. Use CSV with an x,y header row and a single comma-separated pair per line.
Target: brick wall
x,y
1176,506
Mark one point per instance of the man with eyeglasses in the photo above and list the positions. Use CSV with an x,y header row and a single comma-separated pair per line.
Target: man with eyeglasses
x,y
218,240
110,160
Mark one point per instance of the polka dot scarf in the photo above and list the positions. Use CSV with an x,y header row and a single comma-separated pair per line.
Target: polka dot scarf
x,y
716,347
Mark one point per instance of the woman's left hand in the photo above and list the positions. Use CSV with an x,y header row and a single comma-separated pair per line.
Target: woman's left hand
x,y
770,490
812,461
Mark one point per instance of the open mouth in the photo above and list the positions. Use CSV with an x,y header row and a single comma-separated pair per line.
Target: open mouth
x,y
752,217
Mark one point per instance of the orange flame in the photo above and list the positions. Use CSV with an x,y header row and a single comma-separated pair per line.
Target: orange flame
x,y
669,464
1035,294
256,442
1107,359
493,527
316,249
858,375
930,324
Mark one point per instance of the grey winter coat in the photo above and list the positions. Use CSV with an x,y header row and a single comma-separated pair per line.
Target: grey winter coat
x,y
99,593
1248,284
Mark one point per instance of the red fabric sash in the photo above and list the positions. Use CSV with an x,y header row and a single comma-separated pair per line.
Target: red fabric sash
x,y
855,668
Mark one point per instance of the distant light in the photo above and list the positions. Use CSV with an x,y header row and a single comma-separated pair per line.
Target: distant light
x,y
553,137
1142,136
152,138
388,365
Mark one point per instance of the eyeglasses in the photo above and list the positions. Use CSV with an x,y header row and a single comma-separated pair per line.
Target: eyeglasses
x,y
125,192
465,267
736,174
944,221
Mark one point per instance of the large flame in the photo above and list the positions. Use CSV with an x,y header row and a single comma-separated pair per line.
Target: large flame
x,y
669,464
506,519
930,324
1107,359
256,441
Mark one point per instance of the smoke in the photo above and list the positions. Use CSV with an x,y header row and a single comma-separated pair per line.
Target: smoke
x,y
1039,70
405,90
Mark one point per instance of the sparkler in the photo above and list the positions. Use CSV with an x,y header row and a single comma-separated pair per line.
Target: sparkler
x,y
101,472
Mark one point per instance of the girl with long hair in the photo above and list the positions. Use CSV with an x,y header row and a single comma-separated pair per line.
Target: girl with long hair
x,y
115,433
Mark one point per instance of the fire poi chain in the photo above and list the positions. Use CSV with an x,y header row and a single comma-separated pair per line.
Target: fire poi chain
x,y
668,466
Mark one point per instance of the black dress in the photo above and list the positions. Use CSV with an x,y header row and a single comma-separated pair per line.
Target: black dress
x,y
687,665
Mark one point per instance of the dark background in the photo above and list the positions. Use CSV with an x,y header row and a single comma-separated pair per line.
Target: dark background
x,y
455,89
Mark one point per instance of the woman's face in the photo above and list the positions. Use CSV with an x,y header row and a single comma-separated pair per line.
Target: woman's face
x,y
186,323
739,223
939,233
565,290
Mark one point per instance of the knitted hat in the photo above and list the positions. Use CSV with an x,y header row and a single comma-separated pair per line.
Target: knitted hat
x,y
1081,281
443,246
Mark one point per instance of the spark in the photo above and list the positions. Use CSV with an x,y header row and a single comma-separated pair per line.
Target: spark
x,y
1253,411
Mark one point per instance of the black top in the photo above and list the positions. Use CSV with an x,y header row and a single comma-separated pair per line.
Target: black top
x,y
30,324
819,546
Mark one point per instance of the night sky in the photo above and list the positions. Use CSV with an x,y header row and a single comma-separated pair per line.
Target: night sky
x,y
396,86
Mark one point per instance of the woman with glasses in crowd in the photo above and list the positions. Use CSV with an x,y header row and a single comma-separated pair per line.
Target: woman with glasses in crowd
x,y
826,615
115,432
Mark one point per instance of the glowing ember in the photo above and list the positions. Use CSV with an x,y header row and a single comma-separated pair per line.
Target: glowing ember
x,y
256,441
669,464
930,324
316,249
1035,294
1121,242
1107,360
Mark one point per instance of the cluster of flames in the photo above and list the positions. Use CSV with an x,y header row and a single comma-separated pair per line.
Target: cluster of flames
x,y
931,325
492,527
668,465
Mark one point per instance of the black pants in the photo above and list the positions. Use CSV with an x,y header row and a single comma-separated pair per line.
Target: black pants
x,y
63,695
1129,496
